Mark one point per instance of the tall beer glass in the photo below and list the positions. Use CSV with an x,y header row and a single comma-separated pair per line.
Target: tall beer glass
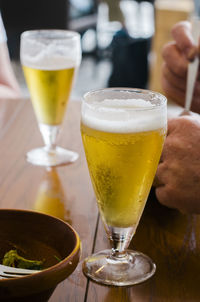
x,y
123,131
50,59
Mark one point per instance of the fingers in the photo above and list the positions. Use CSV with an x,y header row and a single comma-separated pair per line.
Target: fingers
x,y
165,185
173,79
176,55
178,127
172,125
175,60
181,33
160,175
161,195
162,189
167,198
185,126
176,94
178,175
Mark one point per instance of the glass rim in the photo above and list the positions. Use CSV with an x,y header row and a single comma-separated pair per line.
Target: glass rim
x,y
161,97
67,34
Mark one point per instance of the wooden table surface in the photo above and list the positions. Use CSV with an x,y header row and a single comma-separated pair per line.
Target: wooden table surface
x,y
171,239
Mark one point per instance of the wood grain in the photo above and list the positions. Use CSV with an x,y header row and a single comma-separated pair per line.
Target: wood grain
x,y
23,185
170,238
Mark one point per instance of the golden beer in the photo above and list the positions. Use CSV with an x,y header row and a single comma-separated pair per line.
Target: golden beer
x,y
50,59
123,131
122,167
50,90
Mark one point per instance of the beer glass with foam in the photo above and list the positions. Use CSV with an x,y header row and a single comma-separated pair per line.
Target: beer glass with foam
x,y
50,59
123,132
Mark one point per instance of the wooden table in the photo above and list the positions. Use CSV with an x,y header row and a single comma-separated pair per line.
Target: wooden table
x,y
171,239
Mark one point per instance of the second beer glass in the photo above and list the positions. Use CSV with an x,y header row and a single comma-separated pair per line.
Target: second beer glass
x,y
50,59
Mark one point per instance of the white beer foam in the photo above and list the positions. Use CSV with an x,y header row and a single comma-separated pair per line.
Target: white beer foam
x,y
48,62
52,57
124,116
128,103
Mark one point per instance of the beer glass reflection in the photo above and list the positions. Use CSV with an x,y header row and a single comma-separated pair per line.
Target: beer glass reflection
x,y
50,198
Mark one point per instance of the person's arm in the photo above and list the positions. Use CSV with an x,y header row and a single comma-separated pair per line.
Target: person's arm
x,y
177,54
178,173
9,87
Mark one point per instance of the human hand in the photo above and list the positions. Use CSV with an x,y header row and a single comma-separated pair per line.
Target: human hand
x,y
177,55
178,173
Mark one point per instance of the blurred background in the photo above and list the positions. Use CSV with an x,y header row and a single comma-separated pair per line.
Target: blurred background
x,y
120,38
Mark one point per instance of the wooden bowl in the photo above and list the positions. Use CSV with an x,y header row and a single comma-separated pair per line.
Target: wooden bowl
x,y
39,237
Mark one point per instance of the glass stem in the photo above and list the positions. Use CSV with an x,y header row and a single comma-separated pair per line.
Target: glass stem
x,y
116,254
120,239
49,134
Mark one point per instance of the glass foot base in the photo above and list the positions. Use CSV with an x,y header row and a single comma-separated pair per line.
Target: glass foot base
x,y
59,156
132,269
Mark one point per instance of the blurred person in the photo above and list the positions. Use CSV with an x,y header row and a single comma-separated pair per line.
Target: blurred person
x,y
178,173
8,84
